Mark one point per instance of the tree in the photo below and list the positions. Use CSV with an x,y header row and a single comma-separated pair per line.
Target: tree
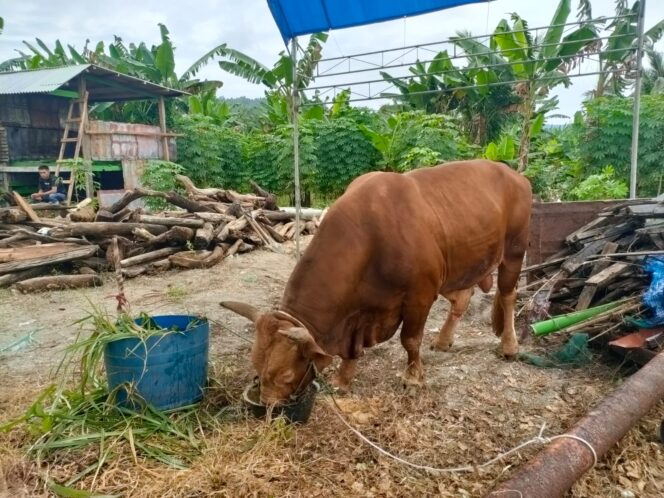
x,y
653,77
540,64
618,52
440,87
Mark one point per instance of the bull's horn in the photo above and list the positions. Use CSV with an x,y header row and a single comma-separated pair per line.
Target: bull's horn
x,y
244,309
297,334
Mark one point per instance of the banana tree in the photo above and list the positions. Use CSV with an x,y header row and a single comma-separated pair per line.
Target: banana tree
x,y
278,80
540,63
653,77
618,54
440,87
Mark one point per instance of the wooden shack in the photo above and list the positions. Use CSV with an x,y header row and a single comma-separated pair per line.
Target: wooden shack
x,y
44,119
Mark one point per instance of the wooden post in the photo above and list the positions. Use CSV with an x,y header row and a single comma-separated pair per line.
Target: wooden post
x,y
162,125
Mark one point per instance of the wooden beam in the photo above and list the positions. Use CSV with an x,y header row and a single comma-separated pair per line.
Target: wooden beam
x,y
26,207
162,125
83,252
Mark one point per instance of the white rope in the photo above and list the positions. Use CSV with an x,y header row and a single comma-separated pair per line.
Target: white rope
x,y
539,439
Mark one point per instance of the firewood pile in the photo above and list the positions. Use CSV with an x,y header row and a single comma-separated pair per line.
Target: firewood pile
x,y
602,263
205,226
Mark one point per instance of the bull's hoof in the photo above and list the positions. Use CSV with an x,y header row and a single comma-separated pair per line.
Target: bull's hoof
x,y
438,346
412,378
510,352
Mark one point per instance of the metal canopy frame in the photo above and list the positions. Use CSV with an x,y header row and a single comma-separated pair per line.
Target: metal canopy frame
x,y
360,63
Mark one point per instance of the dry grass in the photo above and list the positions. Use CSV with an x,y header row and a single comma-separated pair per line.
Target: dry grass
x,y
474,407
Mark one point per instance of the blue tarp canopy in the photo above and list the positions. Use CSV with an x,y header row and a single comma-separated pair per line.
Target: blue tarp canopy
x,y
301,17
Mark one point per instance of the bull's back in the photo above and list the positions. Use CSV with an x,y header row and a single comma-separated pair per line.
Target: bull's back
x,y
454,219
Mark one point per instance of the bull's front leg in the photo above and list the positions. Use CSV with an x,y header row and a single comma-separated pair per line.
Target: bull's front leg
x,y
344,375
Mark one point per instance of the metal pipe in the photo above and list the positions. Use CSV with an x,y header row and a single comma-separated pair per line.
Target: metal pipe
x,y
477,37
637,103
296,147
555,469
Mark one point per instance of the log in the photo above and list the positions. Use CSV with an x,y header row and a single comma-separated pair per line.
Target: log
x,y
172,197
12,278
204,236
215,217
171,222
85,214
104,229
26,207
555,469
26,233
174,236
235,225
97,264
12,215
235,248
270,199
78,253
149,256
197,259
274,233
58,282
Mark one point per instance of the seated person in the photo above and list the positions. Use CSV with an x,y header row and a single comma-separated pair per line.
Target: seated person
x,y
51,188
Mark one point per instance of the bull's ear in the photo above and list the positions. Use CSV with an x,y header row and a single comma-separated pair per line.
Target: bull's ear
x,y
246,310
308,344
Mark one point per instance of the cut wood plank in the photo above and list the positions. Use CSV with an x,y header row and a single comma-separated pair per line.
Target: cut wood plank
x,y
599,265
26,207
608,275
78,253
58,282
150,256
36,251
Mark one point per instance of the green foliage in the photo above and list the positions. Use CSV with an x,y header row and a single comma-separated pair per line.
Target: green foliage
x,y
343,153
211,154
81,169
603,185
413,139
160,176
503,150
607,135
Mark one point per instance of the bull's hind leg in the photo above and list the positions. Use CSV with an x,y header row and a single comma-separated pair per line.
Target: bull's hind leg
x,y
459,301
504,303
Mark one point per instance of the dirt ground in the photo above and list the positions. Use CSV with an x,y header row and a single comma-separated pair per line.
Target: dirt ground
x,y
474,406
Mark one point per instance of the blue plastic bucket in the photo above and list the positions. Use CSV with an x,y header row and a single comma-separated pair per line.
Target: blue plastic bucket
x,y
167,370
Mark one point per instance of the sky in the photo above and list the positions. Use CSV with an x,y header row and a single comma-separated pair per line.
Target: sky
x,y
196,26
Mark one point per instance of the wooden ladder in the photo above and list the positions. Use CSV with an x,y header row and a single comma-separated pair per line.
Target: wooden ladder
x,y
73,124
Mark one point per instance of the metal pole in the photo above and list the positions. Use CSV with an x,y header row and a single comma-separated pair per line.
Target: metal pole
x,y
637,102
296,147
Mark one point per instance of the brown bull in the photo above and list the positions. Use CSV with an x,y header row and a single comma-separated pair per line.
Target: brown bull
x,y
384,252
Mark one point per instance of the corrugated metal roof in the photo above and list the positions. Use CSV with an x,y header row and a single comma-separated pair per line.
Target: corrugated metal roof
x,y
38,81
103,85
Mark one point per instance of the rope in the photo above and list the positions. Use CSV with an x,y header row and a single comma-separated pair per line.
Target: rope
x,y
539,439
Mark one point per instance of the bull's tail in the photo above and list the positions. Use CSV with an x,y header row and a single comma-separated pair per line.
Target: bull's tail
x,y
498,315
